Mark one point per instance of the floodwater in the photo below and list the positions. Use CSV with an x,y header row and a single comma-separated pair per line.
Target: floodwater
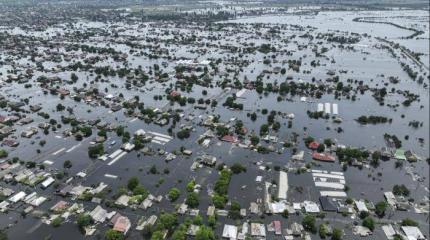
x,y
367,63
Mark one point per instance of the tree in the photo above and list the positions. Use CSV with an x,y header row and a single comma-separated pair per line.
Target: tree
x,y
221,131
157,235
205,233
308,140
276,126
184,133
337,234
3,153
3,235
198,220
174,194
254,140
308,223
409,222
323,231
380,208
140,190
180,233
363,214
212,221
397,237
111,234
401,190
84,220
221,185
234,211
192,200
369,223
86,130
320,148
57,221
285,213
253,116
264,129
328,142
60,107
190,185
219,201
237,168
67,164
95,151
376,155
168,221
74,77
283,71
132,183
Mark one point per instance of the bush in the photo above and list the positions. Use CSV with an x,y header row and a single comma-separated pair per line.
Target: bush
x,y
114,235
84,220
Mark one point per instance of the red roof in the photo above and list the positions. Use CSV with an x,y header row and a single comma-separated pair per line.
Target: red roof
x,y
323,157
277,225
4,166
63,91
59,206
10,142
229,138
122,224
174,94
313,145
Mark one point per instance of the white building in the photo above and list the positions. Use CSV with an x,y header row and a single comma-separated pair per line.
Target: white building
x,y
229,232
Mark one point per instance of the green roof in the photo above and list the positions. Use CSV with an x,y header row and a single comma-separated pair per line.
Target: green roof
x,y
400,154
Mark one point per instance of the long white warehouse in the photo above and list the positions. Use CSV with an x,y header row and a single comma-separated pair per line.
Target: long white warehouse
x,y
283,185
